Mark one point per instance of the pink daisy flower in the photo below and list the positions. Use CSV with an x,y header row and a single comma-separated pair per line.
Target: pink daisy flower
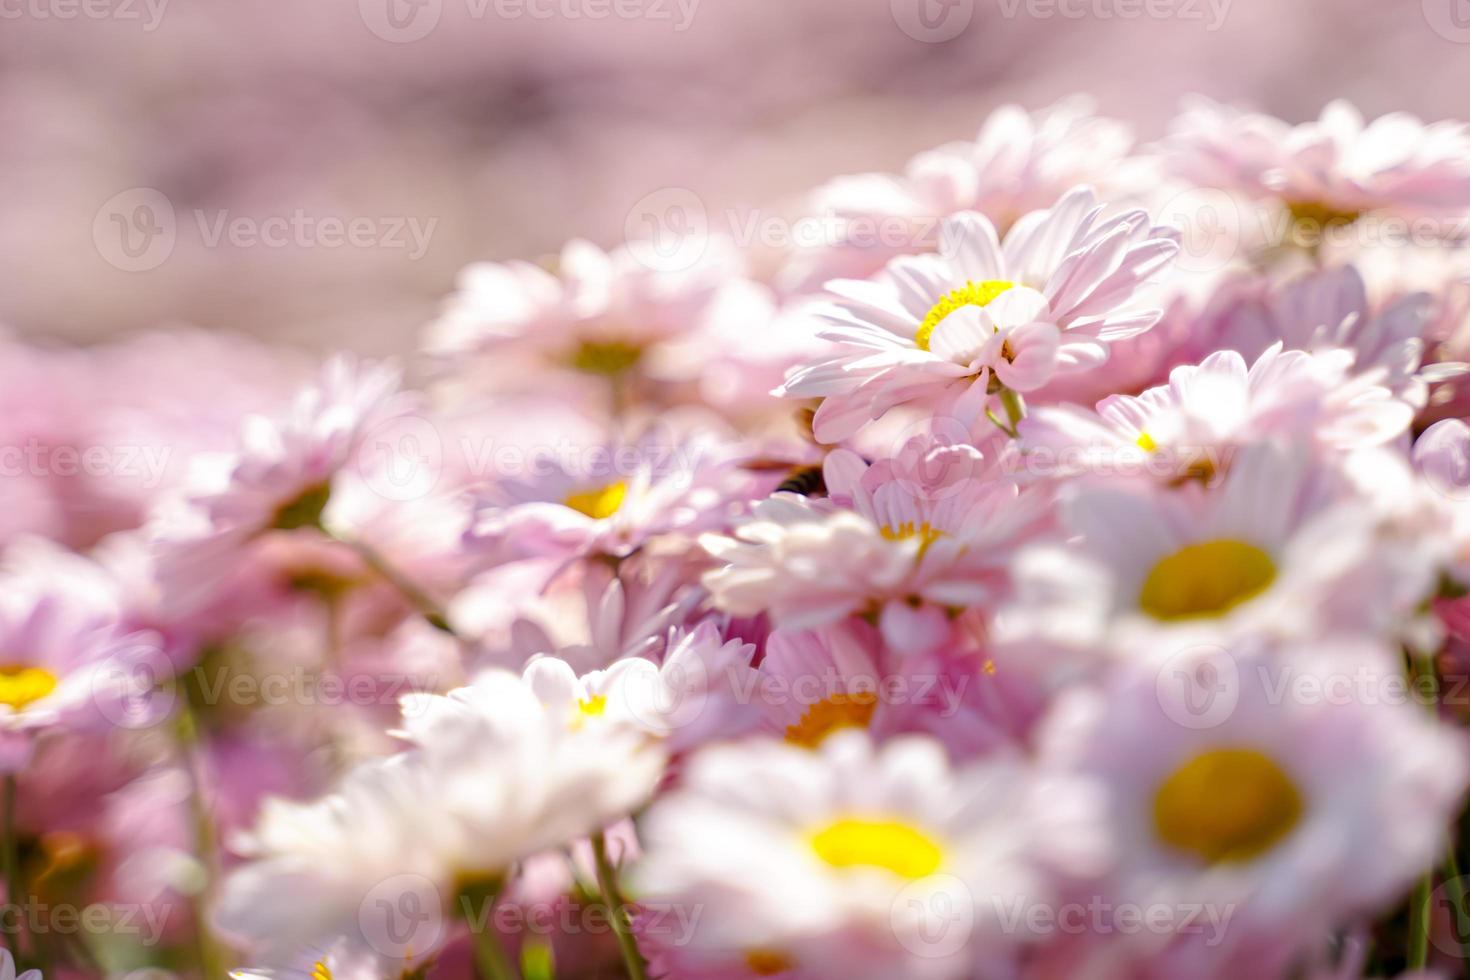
x,y
930,327
1328,310
885,544
611,499
61,669
1189,428
601,313
1020,162
1333,168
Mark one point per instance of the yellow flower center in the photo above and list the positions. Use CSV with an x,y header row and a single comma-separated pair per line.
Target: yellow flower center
x,y
1206,579
767,962
593,707
606,356
600,503
1310,220
970,294
1226,805
887,844
825,717
904,532
1199,468
320,971
21,685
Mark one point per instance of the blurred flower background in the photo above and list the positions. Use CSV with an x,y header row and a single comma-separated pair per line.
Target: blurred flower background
x,y
505,131
436,458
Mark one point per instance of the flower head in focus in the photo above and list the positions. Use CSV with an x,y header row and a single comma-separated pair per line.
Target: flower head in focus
x,y
934,328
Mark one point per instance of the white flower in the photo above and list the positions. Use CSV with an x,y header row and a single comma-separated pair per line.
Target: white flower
x,y
930,327
1280,548
494,777
840,861
1288,789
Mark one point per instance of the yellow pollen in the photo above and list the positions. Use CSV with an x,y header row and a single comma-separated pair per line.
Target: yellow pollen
x,y
1146,442
1226,805
320,971
970,294
1209,578
598,504
21,685
593,707
608,357
825,717
1310,220
885,844
767,962
926,534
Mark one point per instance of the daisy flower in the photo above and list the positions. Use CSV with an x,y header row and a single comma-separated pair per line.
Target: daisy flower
x,y
1020,162
1328,310
929,327
600,313
282,476
840,861
62,669
310,867
818,682
1329,170
596,617
507,777
611,499
281,479
885,545
1279,548
1298,792
700,690
1189,428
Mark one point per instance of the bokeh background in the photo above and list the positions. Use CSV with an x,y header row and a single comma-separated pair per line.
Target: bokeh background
x,y
503,127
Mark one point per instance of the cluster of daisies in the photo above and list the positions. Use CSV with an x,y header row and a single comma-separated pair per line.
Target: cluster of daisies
x,y
1068,582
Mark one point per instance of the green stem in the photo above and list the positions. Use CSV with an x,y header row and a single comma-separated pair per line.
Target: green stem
x,y
617,908
11,858
1419,923
417,597
211,957
995,420
1455,890
490,959
1420,918
1014,406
